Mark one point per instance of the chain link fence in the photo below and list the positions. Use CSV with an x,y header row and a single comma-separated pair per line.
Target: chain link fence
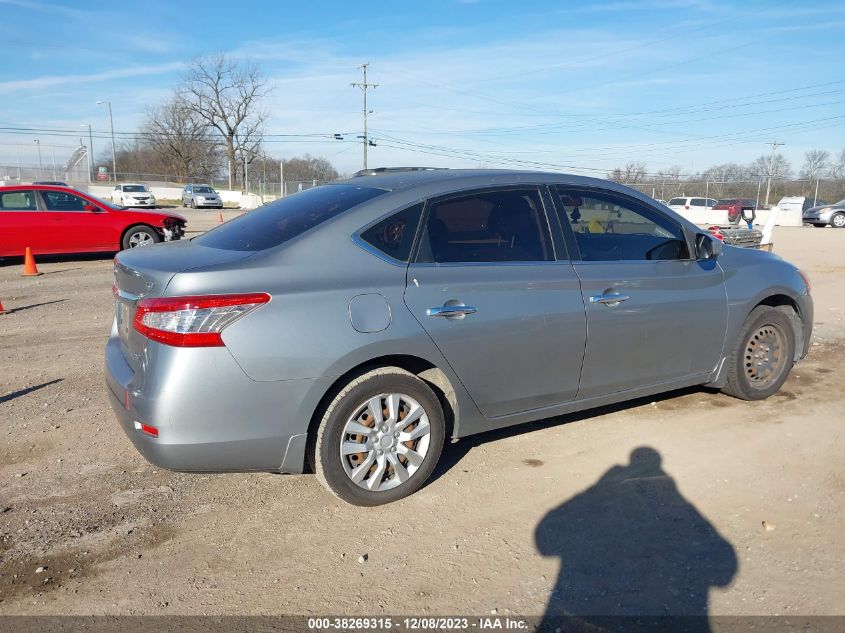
x,y
822,189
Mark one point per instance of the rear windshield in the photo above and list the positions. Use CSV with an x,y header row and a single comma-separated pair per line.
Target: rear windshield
x,y
285,219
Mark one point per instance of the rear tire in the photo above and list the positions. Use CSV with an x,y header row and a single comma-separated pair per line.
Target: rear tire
x,y
140,235
396,456
762,356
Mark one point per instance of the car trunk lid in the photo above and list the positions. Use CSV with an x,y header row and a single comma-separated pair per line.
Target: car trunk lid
x,y
146,272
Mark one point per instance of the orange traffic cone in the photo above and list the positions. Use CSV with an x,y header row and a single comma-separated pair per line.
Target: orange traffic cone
x,y
29,267
220,216
2,310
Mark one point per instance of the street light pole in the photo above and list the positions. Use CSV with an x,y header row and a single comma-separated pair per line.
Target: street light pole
x,y
113,151
40,164
18,152
775,145
90,153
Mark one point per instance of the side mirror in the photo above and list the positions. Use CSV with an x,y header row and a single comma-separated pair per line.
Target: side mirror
x,y
90,208
707,246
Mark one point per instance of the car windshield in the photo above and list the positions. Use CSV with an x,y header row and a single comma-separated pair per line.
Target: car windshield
x,y
727,201
134,188
285,219
841,203
204,190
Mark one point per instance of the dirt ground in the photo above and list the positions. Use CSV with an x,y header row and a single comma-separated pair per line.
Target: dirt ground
x,y
729,507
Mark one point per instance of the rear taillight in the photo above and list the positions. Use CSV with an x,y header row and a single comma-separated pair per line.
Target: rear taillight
x,y
195,321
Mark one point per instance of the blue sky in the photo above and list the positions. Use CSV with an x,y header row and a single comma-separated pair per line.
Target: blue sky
x,y
567,86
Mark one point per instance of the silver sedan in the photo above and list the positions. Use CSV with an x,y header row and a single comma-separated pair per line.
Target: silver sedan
x,y
358,325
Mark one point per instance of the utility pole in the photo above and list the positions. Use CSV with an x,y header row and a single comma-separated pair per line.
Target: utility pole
x,y
18,152
775,145
113,150
282,177
53,158
364,86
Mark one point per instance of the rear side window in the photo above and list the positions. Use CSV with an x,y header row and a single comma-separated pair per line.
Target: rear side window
x,y
678,202
285,219
494,226
394,236
17,201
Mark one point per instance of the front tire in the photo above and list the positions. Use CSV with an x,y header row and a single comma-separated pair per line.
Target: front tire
x,y
138,236
838,221
380,438
762,356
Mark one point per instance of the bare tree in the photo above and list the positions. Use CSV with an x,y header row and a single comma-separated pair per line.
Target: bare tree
x,y
777,167
181,138
836,171
631,173
227,95
815,163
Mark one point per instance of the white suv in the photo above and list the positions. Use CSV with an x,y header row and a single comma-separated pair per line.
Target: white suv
x,y
133,196
697,209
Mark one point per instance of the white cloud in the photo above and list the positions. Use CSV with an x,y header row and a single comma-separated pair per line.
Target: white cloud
x,y
49,81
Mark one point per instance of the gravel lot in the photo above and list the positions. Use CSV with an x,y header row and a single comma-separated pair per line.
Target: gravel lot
x,y
732,507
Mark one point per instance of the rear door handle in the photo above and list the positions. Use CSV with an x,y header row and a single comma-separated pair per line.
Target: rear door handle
x,y
451,311
610,299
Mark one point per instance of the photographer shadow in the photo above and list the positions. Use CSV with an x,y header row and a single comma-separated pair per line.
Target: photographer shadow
x,y
633,551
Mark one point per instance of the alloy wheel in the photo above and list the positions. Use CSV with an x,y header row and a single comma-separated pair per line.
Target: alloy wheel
x,y
140,238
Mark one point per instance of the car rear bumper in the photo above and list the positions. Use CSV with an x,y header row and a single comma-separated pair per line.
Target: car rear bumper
x,y
210,415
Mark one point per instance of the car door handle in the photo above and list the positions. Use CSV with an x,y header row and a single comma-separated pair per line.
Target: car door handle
x,y
451,311
611,299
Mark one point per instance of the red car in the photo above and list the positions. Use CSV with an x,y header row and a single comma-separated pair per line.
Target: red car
x,y
51,219
735,208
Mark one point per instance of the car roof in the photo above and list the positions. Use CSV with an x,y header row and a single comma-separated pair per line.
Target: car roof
x,y
407,179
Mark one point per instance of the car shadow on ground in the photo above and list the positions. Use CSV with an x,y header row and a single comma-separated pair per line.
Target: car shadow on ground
x,y
454,453
635,555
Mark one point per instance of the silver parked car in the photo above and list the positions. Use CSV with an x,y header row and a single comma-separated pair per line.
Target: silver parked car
x,y
201,197
823,214
357,325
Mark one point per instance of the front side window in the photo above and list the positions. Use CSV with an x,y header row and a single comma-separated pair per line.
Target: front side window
x,y
18,201
61,201
494,226
286,218
394,236
612,227
678,202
